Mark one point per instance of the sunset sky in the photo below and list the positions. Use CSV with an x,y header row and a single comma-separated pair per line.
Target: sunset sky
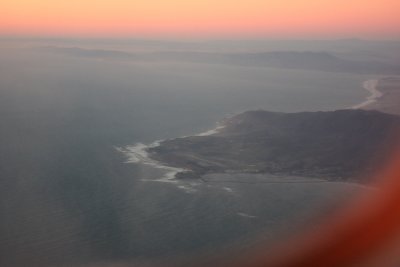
x,y
202,18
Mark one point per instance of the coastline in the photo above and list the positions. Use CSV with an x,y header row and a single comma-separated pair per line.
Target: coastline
x,y
212,131
389,100
138,153
265,142
375,94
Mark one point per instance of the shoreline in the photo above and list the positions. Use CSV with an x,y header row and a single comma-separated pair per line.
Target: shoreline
x,y
212,131
375,94
389,99
138,153
243,149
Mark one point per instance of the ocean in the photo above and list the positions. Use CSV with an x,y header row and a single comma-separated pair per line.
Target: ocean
x,y
70,197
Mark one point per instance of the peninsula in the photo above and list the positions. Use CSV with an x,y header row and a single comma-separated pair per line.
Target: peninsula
x,y
341,145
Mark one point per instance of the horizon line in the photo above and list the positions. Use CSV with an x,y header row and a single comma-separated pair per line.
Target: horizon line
x,y
5,37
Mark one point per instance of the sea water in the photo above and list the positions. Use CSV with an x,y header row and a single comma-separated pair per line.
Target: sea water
x,y
73,193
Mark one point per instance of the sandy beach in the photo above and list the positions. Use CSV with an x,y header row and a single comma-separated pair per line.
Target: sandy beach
x,y
375,94
385,95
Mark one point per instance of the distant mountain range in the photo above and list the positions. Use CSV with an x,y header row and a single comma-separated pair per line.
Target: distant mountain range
x,y
344,145
309,60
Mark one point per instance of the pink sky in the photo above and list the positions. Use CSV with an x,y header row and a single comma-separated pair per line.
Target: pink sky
x,y
185,18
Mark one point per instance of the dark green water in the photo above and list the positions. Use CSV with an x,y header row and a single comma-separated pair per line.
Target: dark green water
x,y
68,199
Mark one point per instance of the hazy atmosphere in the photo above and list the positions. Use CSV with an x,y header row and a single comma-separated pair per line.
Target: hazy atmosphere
x,y
180,133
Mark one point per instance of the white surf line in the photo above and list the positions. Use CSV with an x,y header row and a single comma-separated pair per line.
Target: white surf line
x,y
138,154
228,189
242,214
212,131
189,189
271,181
370,86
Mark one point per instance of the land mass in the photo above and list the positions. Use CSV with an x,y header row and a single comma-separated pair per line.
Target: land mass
x,y
342,145
338,145
307,60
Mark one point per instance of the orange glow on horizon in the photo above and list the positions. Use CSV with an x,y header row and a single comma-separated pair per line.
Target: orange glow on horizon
x,y
273,18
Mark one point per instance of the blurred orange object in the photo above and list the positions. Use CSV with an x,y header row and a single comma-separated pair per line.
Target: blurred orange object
x,y
367,232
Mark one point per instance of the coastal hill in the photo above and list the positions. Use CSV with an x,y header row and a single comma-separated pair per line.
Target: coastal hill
x,y
339,145
306,60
